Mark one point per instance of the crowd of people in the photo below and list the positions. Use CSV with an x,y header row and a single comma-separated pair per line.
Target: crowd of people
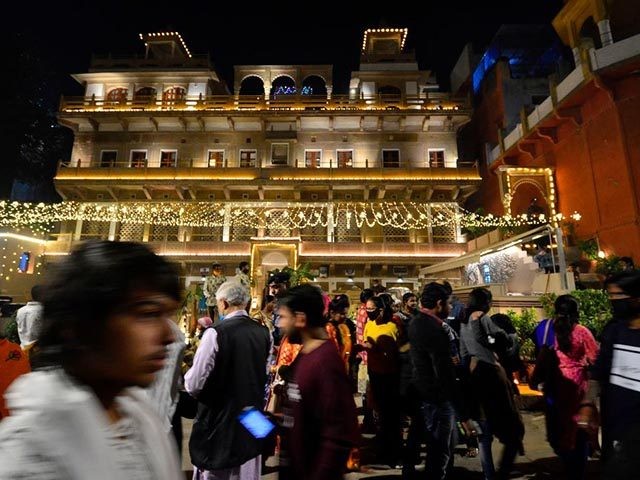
x,y
97,390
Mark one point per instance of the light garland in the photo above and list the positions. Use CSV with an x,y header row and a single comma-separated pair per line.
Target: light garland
x,y
403,215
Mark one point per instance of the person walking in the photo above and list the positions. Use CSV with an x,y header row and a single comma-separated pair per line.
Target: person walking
x,y
320,415
229,374
81,413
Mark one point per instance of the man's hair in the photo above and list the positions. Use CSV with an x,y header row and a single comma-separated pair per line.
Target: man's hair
x,y
234,293
407,296
629,283
216,266
628,261
279,278
243,264
92,283
366,294
305,299
36,293
379,288
339,303
432,293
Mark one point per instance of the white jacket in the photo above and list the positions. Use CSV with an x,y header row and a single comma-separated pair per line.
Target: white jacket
x,y
58,431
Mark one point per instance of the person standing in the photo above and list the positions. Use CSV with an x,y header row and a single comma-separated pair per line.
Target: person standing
x,y
617,372
320,414
29,320
242,274
81,413
566,389
435,379
492,392
211,285
229,374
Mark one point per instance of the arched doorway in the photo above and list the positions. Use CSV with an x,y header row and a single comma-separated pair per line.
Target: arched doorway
x,y
174,96
314,85
528,197
283,85
251,85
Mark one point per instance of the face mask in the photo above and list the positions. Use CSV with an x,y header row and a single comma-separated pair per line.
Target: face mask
x,y
373,315
623,308
295,337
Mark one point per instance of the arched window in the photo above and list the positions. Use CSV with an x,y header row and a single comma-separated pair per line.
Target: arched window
x,y
252,85
314,85
283,85
117,95
145,94
174,96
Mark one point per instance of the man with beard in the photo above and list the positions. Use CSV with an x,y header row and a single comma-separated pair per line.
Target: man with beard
x,y
320,415
617,369
435,378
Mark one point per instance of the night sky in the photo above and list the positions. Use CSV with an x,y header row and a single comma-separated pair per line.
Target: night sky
x,y
234,33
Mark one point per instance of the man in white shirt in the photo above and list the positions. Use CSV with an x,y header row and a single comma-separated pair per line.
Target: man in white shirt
x,y
29,319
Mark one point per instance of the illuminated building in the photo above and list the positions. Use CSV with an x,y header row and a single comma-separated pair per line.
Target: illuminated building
x,y
282,170
581,122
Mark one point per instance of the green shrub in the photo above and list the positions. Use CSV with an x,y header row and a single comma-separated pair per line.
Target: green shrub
x,y
525,323
595,308
11,330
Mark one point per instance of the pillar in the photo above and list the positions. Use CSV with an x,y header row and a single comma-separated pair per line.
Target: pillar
x,y
577,59
78,232
112,231
604,27
226,228
330,224
329,91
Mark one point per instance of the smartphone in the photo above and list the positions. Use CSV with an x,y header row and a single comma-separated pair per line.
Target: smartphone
x,y
256,422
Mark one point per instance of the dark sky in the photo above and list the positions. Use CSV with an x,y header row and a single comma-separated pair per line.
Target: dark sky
x,y
66,33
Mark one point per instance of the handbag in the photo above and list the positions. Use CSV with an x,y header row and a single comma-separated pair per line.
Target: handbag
x,y
547,363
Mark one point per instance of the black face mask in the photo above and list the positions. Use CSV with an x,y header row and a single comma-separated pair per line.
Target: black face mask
x,y
373,315
623,309
295,337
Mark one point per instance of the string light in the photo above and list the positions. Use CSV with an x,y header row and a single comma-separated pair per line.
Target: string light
x,y
286,215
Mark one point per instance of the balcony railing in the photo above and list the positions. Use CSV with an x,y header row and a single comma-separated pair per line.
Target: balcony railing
x,y
100,62
240,165
260,102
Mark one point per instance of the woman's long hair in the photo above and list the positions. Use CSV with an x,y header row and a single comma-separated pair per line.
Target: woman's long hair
x,y
383,301
566,317
479,300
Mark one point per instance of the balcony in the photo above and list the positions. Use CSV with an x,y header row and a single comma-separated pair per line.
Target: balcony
x,y
228,103
231,171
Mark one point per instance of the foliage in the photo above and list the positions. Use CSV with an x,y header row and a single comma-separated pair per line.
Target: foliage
x,y
11,329
299,275
589,248
525,323
473,231
595,308
608,265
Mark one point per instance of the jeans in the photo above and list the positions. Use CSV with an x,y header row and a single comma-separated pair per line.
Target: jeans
x,y
485,439
440,425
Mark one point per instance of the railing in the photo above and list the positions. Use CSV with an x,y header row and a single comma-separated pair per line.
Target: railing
x,y
431,103
331,164
615,53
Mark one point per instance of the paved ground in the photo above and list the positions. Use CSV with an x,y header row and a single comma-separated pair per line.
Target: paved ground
x,y
538,463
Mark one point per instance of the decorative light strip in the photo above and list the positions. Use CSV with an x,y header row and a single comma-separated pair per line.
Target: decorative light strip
x,y
404,31
277,215
160,35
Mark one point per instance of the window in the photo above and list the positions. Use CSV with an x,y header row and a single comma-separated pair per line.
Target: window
x,y
138,158
312,158
108,158
168,158
216,158
145,94
391,158
345,158
248,158
173,96
117,95
436,158
280,154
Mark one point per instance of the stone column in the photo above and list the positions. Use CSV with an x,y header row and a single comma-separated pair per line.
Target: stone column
x,y
577,59
226,229
112,231
329,91
604,27
267,89
78,233
330,227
